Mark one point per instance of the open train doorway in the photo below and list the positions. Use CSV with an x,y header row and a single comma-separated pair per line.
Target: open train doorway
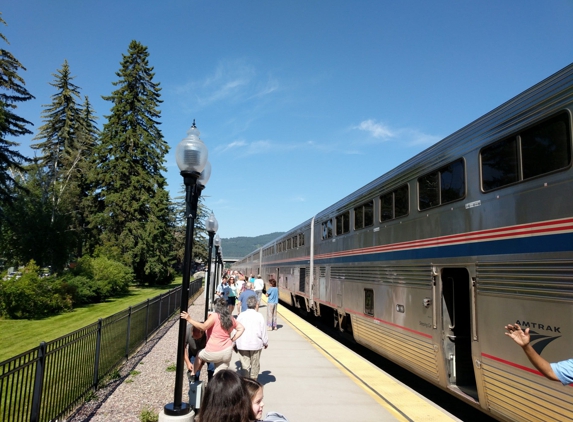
x,y
456,317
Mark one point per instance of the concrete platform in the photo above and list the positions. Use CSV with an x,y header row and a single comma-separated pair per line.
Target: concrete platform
x,y
307,376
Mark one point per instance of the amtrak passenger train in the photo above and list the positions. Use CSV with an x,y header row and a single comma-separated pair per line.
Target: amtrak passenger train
x,y
426,264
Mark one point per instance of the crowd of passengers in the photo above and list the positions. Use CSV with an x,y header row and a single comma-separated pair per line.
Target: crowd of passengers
x,y
232,396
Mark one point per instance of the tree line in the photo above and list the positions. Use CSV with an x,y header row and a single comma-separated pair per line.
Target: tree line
x,y
89,195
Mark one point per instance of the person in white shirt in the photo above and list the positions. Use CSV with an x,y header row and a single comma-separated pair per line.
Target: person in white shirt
x,y
253,340
259,286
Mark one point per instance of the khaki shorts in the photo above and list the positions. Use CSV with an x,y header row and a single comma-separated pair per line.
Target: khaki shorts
x,y
220,359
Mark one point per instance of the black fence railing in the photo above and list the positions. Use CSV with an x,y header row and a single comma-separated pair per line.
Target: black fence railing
x,y
46,383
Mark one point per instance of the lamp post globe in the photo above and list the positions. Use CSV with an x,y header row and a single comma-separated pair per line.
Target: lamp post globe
x,y
191,156
191,153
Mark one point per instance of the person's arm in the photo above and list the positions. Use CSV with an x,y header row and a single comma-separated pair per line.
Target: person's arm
x,y
203,326
239,330
523,339
188,361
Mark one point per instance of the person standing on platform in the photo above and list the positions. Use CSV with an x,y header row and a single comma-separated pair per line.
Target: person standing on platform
x,y
244,296
232,295
253,340
223,289
240,282
272,304
218,326
259,285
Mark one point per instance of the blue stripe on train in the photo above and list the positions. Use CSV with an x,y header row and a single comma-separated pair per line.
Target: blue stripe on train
x,y
524,245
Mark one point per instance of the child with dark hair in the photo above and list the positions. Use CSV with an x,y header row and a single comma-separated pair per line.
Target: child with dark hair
x,y
255,391
225,399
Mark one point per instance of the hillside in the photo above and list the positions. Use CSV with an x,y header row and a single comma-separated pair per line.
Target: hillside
x,y
238,247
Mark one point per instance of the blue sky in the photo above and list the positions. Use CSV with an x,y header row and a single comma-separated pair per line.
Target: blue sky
x,y
300,102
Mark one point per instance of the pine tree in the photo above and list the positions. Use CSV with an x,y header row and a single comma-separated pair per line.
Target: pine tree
x,y
12,91
60,132
83,204
200,235
135,207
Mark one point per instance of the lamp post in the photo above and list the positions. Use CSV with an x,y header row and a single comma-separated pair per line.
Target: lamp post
x,y
212,225
216,243
191,156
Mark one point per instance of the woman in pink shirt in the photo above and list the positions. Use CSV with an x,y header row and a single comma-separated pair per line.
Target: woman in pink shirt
x,y
219,327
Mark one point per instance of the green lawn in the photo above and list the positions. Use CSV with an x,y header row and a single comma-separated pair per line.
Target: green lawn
x,y
17,336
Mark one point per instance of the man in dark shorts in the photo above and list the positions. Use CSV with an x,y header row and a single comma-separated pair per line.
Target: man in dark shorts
x,y
196,341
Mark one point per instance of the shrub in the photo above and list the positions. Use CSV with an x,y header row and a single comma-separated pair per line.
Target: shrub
x,y
111,277
30,296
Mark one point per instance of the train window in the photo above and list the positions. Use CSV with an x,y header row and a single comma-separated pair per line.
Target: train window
x,y
327,229
343,223
499,164
364,215
369,302
440,187
401,202
539,150
546,147
394,204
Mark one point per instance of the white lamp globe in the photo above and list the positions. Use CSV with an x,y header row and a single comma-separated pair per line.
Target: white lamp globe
x,y
191,153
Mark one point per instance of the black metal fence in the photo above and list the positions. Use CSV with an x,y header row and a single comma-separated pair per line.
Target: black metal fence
x,y
45,383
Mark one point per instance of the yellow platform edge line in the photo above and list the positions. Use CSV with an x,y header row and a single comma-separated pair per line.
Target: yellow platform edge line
x,y
384,389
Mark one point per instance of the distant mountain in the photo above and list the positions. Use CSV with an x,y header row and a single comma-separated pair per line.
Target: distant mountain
x,y
238,247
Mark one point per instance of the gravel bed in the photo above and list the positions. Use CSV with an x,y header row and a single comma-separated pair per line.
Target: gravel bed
x,y
123,400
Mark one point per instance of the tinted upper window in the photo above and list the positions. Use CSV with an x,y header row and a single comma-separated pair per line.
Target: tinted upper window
x,y
538,150
442,186
364,215
343,223
394,204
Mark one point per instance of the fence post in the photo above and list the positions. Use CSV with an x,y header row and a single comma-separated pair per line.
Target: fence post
x,y
38,383
147,321
128,333
160,303
98,347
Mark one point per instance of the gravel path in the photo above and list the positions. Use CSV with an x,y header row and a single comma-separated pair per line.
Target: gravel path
x,y
152,388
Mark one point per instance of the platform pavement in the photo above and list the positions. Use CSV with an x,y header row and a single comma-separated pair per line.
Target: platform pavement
x,y
308,376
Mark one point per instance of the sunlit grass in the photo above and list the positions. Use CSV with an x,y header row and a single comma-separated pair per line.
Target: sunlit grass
x,y
17,336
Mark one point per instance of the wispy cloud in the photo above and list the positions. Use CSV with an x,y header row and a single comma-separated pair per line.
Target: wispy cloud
x,y
376,130
232,81
380,132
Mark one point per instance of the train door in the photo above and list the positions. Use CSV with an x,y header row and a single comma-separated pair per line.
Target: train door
x,y
457,331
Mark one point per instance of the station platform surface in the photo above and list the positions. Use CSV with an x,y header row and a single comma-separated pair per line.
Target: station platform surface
x,y
308,376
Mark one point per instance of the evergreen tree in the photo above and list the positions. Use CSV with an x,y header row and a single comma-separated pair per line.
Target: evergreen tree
x,y
82,201
135,207
200,235
12,92
60,134
30,230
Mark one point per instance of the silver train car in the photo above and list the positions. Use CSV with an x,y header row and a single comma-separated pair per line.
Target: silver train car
x,y
426,264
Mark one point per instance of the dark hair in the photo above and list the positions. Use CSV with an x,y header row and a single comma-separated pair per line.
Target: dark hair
x,y
226,399
252,386
273,282
222,308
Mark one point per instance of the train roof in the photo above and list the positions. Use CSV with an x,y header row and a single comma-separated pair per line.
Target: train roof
x,y
539,101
